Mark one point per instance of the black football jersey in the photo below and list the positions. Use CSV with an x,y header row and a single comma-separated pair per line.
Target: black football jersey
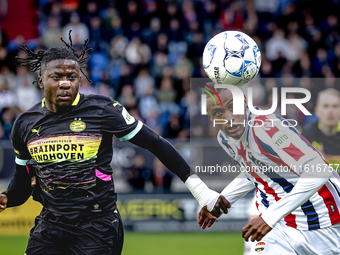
x,y
70,153
331,144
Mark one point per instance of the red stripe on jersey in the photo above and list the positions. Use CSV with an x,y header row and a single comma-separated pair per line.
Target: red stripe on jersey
x,y
276,160
272,130
290,220
294,152
267,189
333,210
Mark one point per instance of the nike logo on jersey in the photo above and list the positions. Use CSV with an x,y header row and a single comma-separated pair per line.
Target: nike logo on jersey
x,y
36,131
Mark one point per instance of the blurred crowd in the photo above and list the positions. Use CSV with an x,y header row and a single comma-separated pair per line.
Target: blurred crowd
x,y
146,51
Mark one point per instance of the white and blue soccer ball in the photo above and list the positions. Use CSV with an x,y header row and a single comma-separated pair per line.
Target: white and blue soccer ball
x,y
231,57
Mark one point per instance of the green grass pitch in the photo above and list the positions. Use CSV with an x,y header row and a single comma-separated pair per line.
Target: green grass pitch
x,y
156,243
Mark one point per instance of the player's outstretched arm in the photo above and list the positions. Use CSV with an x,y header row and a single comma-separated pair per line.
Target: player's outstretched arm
x,y
169,156
308,184
19,189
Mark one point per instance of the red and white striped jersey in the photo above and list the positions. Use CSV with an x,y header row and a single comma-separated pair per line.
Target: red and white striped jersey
x,y
273,155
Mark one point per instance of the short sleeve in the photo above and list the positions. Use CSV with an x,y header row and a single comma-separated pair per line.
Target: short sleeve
x,y
20,147
119,122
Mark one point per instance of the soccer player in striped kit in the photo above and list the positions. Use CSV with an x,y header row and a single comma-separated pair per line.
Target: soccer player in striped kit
x,y
297,190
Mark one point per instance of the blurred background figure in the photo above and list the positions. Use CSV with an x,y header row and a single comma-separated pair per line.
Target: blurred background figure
x,y
139,174
324,134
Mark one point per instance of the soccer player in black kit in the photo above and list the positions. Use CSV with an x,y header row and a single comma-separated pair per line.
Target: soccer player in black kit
x,y
64,149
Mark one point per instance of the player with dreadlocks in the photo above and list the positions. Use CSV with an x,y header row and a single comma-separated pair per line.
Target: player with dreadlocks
x,y
64,149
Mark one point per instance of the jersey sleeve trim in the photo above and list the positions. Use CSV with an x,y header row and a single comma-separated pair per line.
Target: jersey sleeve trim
x,y
21,162
132,133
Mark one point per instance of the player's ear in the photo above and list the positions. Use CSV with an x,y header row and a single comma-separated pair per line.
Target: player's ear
x,y
40,82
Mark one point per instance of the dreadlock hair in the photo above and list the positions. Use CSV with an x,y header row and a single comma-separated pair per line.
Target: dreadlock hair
x,y
35,61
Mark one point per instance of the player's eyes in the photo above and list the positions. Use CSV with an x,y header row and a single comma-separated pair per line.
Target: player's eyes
x,y
55,77
231,107
73,77
217,113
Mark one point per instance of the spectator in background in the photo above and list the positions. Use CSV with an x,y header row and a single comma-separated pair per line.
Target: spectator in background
x,y
148,105
232,17
138,174
174,32
127,98
151,33
138,53
7,119
161,177
277,45
27,94
319,62
51,36
142,82
80,32
325,133
91,11
7,98
115,28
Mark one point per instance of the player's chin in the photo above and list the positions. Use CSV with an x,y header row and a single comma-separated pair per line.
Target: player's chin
x,y
235,131
64,103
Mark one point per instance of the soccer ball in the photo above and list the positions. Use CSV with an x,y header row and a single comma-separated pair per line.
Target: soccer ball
x,y
231,57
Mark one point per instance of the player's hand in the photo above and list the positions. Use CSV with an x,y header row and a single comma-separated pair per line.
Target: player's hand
x,y
207,219
221,206
3,202
256,228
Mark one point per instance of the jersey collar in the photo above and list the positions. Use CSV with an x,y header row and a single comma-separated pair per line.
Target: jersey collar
x,y
75,102
320,126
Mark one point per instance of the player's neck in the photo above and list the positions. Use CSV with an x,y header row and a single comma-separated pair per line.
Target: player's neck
x,y
329,130
57,109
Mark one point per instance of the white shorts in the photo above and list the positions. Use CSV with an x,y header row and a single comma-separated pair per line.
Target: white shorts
x,y
284,240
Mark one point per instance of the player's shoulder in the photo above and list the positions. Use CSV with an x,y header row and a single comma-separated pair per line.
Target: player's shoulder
x,y
97,100
270,126
26,119
30,115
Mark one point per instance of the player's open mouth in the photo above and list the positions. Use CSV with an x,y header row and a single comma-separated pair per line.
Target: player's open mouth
x,y
233,129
